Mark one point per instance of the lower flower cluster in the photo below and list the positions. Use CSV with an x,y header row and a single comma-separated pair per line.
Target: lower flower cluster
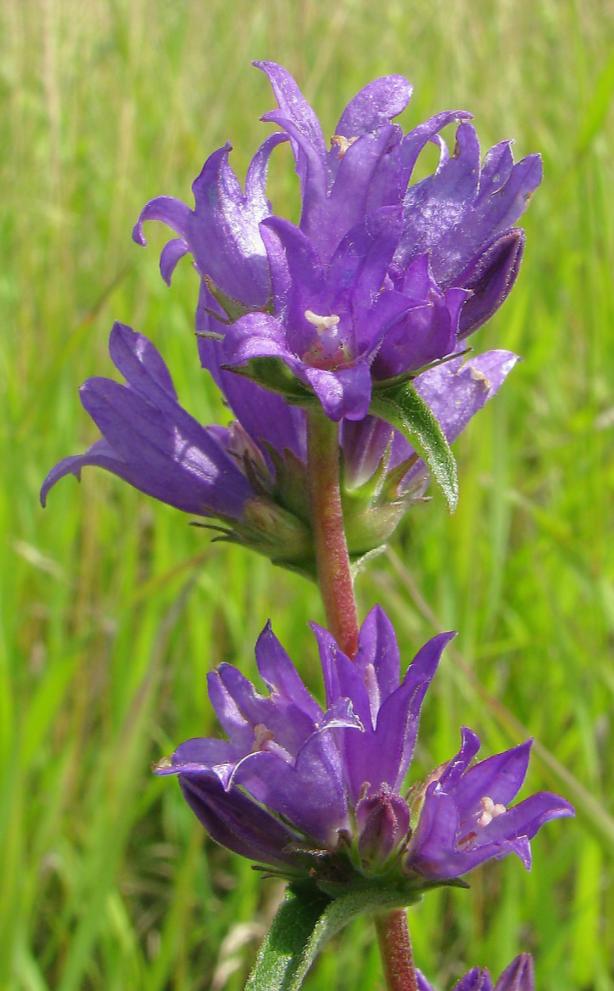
x,y
319,791
518,976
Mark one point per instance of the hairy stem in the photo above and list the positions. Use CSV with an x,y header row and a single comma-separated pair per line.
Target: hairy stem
x,y
337,591
395,949
333,562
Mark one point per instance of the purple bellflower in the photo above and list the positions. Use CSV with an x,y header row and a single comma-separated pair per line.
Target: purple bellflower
x,y
250,477
519,976
318,792
150,441
381,277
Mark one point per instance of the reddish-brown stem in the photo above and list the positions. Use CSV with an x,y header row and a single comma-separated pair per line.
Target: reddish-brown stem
x,y
337,591
395,950
332,558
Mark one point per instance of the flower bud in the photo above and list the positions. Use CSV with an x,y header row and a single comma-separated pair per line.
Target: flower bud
x,y
383,823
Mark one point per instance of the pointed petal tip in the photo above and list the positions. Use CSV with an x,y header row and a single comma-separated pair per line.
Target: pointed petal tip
x,y
137,234
122,333
469,735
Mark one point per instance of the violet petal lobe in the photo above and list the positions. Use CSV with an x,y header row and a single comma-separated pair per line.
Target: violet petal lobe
x,y
378,658
518,976
300,122
375,104
237,822
279,673
476,979
398,718
151,441
500,776
490,276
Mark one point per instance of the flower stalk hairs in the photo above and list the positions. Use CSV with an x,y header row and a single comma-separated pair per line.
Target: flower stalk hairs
x,y
340,346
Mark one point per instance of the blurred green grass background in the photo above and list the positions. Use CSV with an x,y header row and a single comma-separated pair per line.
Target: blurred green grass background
x,y
113,608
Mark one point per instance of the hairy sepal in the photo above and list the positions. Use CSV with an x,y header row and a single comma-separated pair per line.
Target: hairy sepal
x,y
403,407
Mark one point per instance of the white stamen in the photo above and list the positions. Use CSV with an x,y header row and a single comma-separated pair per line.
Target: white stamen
x,y
490,811
322,323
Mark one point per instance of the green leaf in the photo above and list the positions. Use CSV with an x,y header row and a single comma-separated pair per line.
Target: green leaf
x,y
273,374
407,411
305,922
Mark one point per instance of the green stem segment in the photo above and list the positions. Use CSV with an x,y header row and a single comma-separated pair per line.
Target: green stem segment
x,y
395,949
332,558
337,591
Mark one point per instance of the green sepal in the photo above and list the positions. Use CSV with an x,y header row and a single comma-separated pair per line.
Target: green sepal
x,y
274,375
305,922
404,408
231,307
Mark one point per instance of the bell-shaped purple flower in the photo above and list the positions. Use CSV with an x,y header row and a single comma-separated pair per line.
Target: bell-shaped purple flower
x,y
326,783
466,816
518,976
150,441
221,232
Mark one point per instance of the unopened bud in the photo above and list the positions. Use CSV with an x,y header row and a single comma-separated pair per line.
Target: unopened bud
x,y
383,823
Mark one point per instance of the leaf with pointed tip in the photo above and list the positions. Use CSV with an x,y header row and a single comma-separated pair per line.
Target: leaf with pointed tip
x,y
274,375
306,920
403,407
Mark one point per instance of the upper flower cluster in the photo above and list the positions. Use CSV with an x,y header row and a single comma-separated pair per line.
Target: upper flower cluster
x,y
381,277
317,790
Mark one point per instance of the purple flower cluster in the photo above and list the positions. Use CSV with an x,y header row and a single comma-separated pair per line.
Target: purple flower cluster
x,y
518,976
382,276
321,790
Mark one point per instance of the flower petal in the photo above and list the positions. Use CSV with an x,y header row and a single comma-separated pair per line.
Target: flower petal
x,y
309,794
262,414
490,276
236,821
499,777
300,122
398,717
527,818
224,230
172,252
288,724
455,768
379,649
476,980
279,673
140,363
519,976
375,104
345,392
256,335
167,210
